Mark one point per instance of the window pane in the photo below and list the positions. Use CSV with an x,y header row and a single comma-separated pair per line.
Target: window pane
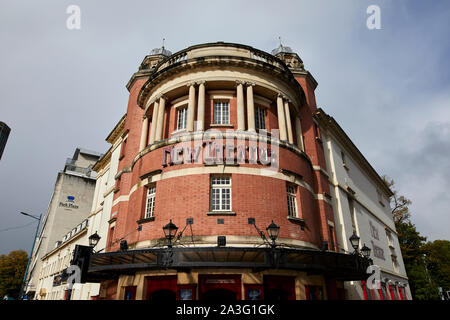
x,y
150,203
221,112
260,116
182,118
220,193
291,200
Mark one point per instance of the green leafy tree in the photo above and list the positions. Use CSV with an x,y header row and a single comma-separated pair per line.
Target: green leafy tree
x,y
412,246
12,270
437,259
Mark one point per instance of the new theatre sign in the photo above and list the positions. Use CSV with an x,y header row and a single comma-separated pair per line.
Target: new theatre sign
x,y
217,152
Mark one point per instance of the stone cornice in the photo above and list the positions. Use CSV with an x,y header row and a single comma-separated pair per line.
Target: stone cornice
x,y
306,74
117,131
254,58
211,61
112,138
65,243
138,75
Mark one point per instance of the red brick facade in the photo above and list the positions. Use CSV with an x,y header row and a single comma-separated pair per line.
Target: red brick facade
x,y
186,196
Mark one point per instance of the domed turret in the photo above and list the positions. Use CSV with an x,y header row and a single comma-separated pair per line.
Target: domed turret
x,y
281,49
289,57
155,56
161,51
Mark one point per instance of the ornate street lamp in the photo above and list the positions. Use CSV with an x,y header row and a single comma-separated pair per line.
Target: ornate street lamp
x,y
354,240
365,251
272,231
94,239
170,230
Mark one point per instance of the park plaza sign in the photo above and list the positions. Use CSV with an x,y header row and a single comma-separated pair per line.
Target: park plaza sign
x,y
69,203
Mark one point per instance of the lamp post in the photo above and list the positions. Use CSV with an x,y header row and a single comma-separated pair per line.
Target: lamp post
x,y
365,251
94,239
170,230
354,240
273,230
32,249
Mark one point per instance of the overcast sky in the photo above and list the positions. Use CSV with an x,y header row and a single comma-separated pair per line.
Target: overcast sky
x,y
388,88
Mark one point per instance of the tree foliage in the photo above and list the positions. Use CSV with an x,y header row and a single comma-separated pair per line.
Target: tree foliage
x,y
437,259
12,270
413,248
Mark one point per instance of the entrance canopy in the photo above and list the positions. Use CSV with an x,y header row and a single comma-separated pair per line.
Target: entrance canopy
x,y
340,266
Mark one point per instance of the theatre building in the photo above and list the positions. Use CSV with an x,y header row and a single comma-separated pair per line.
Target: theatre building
x,y
360,201
222,190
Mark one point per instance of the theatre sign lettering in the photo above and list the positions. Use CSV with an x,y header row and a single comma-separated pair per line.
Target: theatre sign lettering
x,y
213,152
377,251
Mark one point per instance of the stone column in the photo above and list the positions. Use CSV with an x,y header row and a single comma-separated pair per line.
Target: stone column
x,y
144,132
191,108
151,139
160,123
288,121
298,130
240,106
201,107
250,108
281,118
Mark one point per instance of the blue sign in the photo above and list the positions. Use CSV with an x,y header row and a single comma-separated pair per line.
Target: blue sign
x,y
186,294
254,294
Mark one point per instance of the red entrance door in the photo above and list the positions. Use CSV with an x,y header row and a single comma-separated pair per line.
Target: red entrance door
x,y
162,288
279,288
220,287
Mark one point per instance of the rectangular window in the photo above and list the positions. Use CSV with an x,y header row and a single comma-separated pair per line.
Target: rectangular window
x,y
380,197
352,214
122,152
389,239
221,112
221,194
111,236
394,262
291,192
332,248
316,131
150,202
182,118
344,161
260,118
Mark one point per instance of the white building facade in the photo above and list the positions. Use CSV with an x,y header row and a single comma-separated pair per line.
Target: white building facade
x,y
52,283
361,205
69,205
